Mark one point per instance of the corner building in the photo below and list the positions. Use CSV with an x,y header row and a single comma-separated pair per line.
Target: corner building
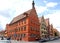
x,y
25,26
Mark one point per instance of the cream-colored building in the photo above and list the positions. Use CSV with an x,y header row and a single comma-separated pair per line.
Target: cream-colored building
x,y
43,28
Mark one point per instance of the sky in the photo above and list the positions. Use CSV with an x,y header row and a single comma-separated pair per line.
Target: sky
x,y
12,8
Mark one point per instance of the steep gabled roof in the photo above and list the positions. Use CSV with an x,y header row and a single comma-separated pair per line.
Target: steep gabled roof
x,y
40,19
21,16
17,18
47,21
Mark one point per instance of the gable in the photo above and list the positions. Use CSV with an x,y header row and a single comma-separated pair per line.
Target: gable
x,y
33,15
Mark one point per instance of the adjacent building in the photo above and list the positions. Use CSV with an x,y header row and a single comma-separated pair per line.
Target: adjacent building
x,y
3,33
56,33
43,28
46,29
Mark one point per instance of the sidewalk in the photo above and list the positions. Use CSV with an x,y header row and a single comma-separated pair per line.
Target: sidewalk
x,y
15,41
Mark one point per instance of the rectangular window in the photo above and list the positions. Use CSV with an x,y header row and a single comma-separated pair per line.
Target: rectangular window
x,y
24,28
24,21
19,23
23,35
42,32
19,28
31,28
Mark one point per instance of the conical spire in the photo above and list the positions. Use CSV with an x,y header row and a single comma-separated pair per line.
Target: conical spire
x,y
33,4
42,18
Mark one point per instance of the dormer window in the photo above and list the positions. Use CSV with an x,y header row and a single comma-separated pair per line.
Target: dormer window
x,y
26,14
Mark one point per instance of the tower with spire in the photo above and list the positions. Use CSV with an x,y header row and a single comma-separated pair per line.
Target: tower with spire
x,y
33,4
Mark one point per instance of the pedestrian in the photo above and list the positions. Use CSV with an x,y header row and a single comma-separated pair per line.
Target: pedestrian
x,y
2,38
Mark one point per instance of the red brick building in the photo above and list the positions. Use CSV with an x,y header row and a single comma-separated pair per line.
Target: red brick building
x,y
25,26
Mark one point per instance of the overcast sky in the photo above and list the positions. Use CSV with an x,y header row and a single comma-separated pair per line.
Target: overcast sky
x,y
11,8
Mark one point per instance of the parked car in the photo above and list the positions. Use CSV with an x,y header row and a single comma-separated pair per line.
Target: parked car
x,y
8,38
56,38
51,39
44,40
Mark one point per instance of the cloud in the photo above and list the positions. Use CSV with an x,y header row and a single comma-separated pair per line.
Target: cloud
x,y
11,8
5,13
41,9
22,6
44,1
5,4
51,4
1,27
3,22
54,18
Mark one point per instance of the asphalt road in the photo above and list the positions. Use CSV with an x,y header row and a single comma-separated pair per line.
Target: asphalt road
x,y
54,41
13,41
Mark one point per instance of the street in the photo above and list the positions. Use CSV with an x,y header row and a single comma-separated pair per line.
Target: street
x,y
14,41
54,41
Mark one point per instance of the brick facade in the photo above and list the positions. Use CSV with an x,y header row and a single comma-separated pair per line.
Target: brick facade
x,y
25,26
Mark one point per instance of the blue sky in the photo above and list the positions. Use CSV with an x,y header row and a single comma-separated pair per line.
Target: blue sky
x,y
11,8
